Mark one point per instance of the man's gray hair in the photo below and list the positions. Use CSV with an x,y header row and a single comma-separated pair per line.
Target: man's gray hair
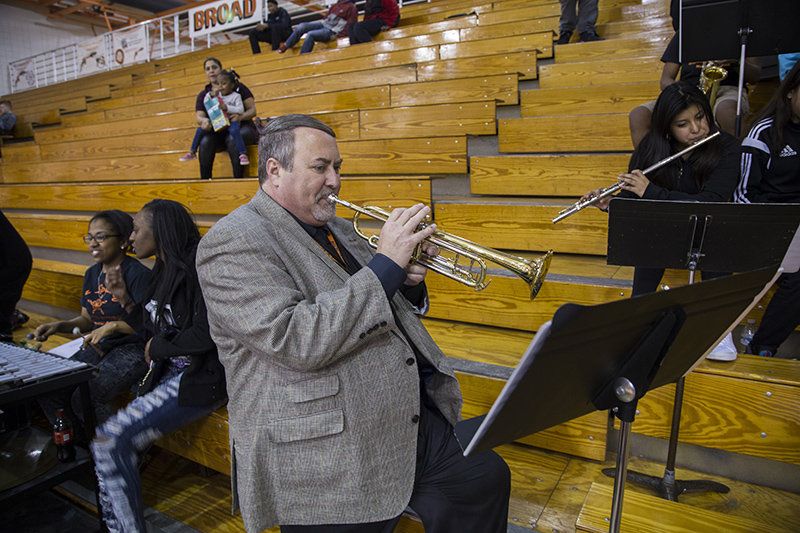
x,y
277,140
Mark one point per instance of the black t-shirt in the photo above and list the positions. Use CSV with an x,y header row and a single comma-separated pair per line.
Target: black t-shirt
x,y
690,72
100,303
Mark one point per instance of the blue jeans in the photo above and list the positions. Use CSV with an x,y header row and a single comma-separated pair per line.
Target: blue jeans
x,y
125,436
315,32
234,129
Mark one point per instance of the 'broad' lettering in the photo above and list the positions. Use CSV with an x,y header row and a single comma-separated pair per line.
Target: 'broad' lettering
x,y
224,13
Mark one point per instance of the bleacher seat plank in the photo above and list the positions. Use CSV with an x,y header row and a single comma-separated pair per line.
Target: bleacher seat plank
x,y
468,118
427,8
21,153
145,143
428,28
590,100
537,134
55,283
503,88
216,197
400,57
541,42
647,45
204,441
437,16
328,101
144,88
629,70
506,29
170,105
750,417
545,175
52,231
645,513
584,436
506,302
522,63
83,119
120,128
426,155
532,12
336,82
516,224
160,166
632,28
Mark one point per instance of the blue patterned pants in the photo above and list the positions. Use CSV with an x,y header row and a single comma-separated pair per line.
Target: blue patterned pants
x,y
121,440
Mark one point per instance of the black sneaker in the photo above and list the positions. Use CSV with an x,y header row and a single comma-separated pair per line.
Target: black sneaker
x,y
589,36
564,38
18,318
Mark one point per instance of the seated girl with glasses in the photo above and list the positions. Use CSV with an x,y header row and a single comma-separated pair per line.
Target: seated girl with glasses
x,y
112,345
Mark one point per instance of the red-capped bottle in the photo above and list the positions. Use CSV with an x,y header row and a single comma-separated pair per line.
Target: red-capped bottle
x,y
62,436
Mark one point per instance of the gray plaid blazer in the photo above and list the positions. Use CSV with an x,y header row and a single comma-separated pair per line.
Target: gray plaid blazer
x,y
322,385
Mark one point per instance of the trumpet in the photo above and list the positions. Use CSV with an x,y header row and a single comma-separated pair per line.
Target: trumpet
x,y
608,191
473,271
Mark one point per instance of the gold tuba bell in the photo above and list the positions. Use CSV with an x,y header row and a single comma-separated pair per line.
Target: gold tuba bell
x,y
473,274
710,77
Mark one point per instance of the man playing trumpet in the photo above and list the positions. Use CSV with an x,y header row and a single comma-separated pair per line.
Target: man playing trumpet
x,y
341,405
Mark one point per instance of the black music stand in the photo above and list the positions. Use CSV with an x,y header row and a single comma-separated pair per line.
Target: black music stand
x,y
637,344
695,236
740,28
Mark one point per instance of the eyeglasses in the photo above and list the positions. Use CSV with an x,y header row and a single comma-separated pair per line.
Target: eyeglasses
x,y
100,237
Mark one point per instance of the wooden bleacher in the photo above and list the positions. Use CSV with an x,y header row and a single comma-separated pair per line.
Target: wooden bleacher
x,y
405,108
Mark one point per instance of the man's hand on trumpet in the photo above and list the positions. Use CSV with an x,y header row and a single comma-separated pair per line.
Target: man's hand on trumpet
x,y
399,238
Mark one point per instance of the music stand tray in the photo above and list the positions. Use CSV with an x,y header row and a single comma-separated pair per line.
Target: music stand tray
x,y
576,361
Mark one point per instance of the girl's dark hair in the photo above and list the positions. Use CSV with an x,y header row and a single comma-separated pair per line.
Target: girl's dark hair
x,y
779,108
658,144
120,221
229,75
175,235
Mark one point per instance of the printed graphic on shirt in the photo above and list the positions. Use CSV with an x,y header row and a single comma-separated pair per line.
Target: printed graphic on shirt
x,y
99,301
787,151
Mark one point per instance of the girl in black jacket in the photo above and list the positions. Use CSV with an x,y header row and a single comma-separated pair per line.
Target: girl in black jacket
x,y
708,173
185,381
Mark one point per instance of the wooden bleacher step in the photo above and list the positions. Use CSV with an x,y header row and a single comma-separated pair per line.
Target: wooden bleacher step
x,y
643,513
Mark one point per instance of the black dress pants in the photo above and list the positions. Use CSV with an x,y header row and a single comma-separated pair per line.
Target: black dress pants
x,y
452,493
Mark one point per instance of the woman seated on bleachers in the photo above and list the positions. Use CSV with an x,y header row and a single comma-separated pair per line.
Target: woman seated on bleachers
x,y
112,345
709,173
216,141
186,380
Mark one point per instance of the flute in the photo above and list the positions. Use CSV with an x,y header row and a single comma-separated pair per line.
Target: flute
x,y
608,191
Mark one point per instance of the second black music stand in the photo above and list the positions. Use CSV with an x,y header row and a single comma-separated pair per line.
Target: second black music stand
x,y
607,357
695,236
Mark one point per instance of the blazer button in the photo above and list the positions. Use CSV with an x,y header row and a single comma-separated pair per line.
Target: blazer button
x,y
415,419
383,324
362,335
410,361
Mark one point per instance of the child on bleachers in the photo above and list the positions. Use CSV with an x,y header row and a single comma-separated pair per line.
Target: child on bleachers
x,y
231,103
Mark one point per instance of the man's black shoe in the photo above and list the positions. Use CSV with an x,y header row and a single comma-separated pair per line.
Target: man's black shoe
x,y
589,36
564,38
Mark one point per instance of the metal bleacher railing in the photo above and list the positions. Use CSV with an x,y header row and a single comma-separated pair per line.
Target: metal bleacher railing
x,y
177,33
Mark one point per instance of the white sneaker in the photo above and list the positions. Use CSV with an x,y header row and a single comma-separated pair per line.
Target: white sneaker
x,y
725,350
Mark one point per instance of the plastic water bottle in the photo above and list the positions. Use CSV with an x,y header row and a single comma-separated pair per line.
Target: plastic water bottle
x,y
746,336
62,436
